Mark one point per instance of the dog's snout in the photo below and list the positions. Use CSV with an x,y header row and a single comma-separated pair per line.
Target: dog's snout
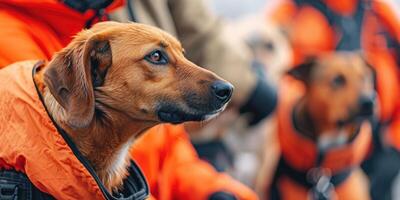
x,y
222,91
366,105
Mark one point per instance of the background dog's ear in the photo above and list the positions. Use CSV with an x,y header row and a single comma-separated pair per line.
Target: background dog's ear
x,y
303,71
365,60
371,67
74,72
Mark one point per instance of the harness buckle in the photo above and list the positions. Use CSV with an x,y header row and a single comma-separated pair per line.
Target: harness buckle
x,y
322,188
8,191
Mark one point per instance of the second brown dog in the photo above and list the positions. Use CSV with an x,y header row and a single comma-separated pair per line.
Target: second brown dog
x,y
323,128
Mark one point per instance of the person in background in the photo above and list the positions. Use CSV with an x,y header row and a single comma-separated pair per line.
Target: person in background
x,y
373,28
36,29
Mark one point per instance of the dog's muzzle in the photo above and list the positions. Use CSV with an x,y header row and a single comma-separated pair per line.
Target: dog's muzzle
x,y
197,110
366,111
367,105
222,92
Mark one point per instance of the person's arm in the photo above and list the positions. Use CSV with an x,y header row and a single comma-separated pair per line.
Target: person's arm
x,y
388,69
24,39
174,170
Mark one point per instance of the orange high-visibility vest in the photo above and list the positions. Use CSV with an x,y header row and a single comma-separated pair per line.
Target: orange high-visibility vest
x,y
174,170
311,34
36,29
301,153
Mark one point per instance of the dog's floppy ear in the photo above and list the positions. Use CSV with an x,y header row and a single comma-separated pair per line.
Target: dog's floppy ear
x,y
73,73
303,71
100,59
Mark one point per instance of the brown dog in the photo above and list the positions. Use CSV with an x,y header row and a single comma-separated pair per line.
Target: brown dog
x,y
115,81
339,88
323,128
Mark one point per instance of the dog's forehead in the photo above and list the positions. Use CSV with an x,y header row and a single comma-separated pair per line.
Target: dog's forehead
x,y
135,33
154,34
343,63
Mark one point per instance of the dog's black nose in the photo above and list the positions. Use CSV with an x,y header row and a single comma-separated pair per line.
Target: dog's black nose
x,y
222,90
366,105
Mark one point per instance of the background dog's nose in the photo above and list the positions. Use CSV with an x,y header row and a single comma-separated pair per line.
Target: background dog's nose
x,y
366,105
222,90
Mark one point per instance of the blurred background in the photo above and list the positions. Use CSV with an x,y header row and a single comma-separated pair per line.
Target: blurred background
x,y
258,23
259,46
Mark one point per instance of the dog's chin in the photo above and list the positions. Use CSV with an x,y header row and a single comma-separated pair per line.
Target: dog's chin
x,y
177,115
357,118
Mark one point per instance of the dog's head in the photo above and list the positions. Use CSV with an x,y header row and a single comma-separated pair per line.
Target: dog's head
x,y
134,69
339,87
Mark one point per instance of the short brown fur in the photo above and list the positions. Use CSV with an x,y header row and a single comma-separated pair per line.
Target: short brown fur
x,y
102,91
325,104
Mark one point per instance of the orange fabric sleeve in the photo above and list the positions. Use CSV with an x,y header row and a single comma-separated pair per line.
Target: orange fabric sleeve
x,y
194,176
388,72
393,136
176,172
36,29
310,34
282,12
388,17
308,31
22,38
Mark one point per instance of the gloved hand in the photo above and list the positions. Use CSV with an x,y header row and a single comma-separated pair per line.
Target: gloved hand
x,y
222,196
262,100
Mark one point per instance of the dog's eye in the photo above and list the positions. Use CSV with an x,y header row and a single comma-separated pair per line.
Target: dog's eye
x,y
157,57
338,81
269,46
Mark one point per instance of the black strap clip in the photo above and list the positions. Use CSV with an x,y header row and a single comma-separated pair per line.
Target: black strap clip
x,y
98,6
99,16
8,191
322,188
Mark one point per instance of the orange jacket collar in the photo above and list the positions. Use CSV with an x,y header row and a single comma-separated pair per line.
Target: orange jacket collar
x,y
32,144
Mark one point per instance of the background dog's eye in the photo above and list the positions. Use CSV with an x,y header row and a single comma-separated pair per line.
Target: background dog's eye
x,y
157,57
338,81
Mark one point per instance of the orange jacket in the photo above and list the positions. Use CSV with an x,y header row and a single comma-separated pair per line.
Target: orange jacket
x,y
174,170
38,28
310,33
31,144
301,153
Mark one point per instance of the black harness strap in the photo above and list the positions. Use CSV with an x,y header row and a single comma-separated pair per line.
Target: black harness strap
x,y
16,186
391,41
307,178
131,10
349,27
98,6
85,5
301,177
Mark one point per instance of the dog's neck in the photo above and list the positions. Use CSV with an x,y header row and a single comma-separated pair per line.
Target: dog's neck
x,y
324,135
105,141
314,126
304,122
